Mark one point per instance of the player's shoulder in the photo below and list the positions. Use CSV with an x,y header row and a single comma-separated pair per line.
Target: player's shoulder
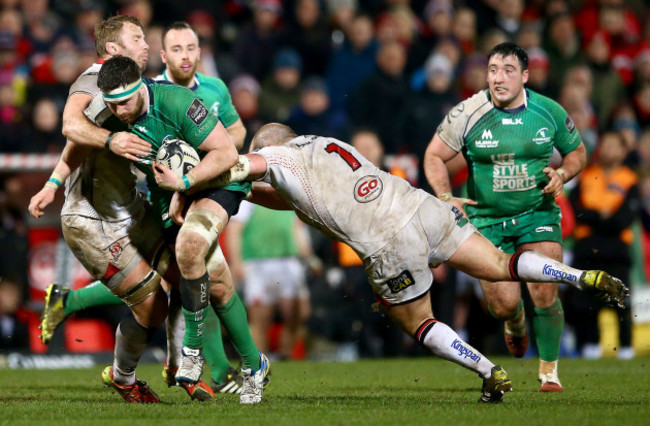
x,y
470,109
87,81
539,101
166,92
476,101
208,80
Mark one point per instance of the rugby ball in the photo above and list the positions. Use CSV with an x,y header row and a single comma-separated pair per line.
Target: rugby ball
x,y
179,156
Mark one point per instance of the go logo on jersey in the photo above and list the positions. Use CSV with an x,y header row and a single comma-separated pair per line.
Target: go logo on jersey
x,y
368,188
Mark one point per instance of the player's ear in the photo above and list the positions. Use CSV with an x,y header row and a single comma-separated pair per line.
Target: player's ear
x,y
112,48
199,49
163,57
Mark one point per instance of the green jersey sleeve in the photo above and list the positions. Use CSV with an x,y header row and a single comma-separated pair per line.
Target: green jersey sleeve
x,y
227,112
216,97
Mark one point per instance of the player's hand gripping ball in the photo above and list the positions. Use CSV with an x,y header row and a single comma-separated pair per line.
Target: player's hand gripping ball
x,y
179,156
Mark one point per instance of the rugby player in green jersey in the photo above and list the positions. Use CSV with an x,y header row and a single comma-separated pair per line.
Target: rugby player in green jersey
x,y
507,134
181,55
157,112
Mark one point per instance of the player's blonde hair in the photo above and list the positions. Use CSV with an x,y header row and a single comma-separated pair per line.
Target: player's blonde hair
x,y
272,134
109,31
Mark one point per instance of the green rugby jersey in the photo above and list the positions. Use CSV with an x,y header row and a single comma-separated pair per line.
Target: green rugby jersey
x,y
174,112
506,151
215,96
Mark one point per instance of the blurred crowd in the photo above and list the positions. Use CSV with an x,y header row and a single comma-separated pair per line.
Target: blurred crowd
x,y
385,69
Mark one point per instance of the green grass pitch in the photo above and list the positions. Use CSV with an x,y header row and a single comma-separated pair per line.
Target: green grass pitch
x,y
423,391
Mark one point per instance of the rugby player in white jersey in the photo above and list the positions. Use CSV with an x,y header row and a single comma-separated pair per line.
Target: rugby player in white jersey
x,y
398,231
104,219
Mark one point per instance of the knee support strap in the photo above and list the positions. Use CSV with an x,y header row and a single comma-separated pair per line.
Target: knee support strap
x,y
205,223
141,290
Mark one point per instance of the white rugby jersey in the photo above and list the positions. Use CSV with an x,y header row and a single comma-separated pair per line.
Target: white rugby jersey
x,y
336,190
103,187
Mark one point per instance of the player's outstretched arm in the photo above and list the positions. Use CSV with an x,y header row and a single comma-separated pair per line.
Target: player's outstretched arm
x,y
71,157
266,196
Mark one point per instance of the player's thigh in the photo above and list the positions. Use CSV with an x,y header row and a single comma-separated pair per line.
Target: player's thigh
x,y
399,271
480,258
105,249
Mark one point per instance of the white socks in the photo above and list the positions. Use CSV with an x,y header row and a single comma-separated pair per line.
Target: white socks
x,y
532,266
440,339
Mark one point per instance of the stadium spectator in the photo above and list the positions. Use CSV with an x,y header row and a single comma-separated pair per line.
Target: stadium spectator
x,y
428,107
257,42
14,335
380,102
314,115
280,92
244,91
611,89
310,36
605,203
562,45
464,29
438,25
358,53
538,66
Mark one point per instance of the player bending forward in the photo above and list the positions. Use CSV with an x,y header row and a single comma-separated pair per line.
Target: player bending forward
x,y
399,232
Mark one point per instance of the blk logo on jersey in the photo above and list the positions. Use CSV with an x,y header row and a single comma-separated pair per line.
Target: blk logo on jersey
x,y
116,250
197,112
399,283
512,121
368,188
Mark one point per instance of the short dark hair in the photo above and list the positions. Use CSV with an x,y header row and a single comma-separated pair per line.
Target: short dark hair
x,y
507,49
116,72
178,25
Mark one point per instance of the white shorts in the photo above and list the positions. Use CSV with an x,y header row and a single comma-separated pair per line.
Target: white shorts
x,y
106,248
269,280
400,271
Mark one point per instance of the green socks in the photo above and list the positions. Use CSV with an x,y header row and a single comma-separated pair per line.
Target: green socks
x,y
213,351
94,294
548,323
234,319
194,321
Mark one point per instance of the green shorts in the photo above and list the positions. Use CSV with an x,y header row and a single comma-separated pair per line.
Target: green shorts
x,y
531,227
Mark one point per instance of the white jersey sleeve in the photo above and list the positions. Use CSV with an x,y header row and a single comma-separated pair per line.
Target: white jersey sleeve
x,y
103,186
461,118
333,188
